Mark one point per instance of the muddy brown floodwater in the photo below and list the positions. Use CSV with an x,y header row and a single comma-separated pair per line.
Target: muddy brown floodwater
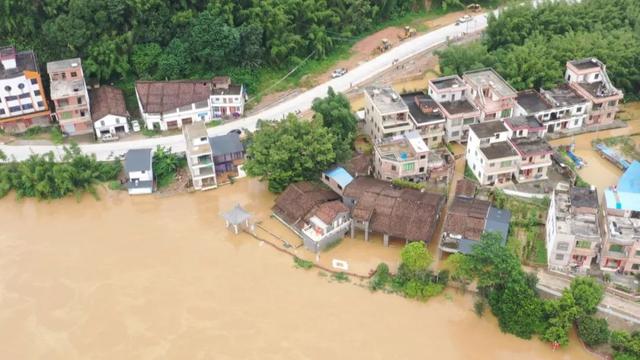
x,y
161,278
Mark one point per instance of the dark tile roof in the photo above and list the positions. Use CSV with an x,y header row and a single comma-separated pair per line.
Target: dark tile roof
x,y
458,107
422,108
532,101
328,211
466,188
162,96
488,129
107,100
466,217
531,146
137,160
25,61
584,197
226,144
402,213
499,150
358,165
298,199
498,220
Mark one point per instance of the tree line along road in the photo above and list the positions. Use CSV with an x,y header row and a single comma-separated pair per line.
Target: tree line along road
x,y
302,102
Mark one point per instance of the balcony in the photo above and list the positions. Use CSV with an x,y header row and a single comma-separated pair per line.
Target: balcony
x,y
617,255
318,236
204,172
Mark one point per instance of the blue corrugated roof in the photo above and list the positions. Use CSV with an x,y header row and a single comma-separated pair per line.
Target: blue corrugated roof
x,y
627,195
498,220
340,176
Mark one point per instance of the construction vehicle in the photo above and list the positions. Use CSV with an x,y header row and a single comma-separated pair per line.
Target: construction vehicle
x,y
474,8
384,46
408,32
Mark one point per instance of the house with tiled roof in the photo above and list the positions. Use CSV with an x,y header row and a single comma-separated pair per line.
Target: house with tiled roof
x,y
108,111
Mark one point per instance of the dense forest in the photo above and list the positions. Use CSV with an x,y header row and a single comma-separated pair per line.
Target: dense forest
x,y
530,46
167,39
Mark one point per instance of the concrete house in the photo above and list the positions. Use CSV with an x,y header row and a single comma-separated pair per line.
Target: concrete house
x,y
406,214
621,248
590,79
314,213
108,111
490,93
490,155
199,156
337,179
526,135
22,100
401,157
227,99
453,98
139,170
228,155
568,109
70,96
467,219
572,231
385,114
427,118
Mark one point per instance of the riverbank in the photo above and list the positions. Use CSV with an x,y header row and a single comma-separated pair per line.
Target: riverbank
x,y
150,277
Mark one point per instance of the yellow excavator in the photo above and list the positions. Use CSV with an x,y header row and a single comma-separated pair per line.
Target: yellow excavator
x,y
384,46
474,8
408,32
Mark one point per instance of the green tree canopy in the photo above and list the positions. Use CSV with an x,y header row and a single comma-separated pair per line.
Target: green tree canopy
x,y
415,257
289,151
334,111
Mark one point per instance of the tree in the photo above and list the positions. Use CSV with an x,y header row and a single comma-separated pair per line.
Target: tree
x,y
145,59
587,293
459,267
290,151
334,111
165,165
456,59
593,331
211,41
415,257
627,346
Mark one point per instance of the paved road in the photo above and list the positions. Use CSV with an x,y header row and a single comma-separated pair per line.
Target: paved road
x,y
407,49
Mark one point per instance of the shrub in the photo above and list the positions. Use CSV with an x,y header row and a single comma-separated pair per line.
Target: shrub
x,y
479,307
302,263
381,278
341,277
593,331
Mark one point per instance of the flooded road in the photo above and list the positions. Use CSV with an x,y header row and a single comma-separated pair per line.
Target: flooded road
x,y
161,278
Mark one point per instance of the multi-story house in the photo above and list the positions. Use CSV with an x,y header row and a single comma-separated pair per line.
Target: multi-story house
x,y
199,156
569,109
227,99
22,100
401,157
70,96
526,134
167,105
228,155
495,98
452,96
385,114
572,231
426,117
621,248
490,155
138,167
589,78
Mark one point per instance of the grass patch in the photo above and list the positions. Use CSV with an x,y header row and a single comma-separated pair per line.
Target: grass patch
x,y
214,123
468,174
150,132
340,277
302,263
115,185
407,184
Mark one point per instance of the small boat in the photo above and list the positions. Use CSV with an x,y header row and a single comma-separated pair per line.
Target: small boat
x,y
613,156
576,159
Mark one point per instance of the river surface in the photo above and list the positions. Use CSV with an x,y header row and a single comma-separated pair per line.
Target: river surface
x,y
161,278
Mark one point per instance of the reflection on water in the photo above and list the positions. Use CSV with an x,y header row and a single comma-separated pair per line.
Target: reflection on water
x,y
160,278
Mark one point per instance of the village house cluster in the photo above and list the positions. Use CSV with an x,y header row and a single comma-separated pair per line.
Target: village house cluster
x,y
80,110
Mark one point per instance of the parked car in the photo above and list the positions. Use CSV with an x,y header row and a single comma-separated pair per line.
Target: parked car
x,y
109,137
338,72
463,19
135,126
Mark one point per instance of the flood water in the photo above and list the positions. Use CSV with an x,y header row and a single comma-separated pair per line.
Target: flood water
x,y
161,278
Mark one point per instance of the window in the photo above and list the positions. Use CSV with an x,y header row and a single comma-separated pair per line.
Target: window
x,y
27,106
562,246
635,267
539,170
326,177
455,133
82,113
74,74
24,95
34,81
568,77
118,121
79,99
582,244
11,98
506,163
497,136
468,121
490,178
102,123
559,257
492,164
36,92
505,113
579,109
444,96
481,161
40,104
596,76
435,138
393,168
576,121
408,167
2,112
421,170
14,108
637,253
423,156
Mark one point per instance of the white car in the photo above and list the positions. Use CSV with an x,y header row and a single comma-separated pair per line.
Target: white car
x,y
463,19
338,72
135,126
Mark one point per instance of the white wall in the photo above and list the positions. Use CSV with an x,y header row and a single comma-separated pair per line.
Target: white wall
x,y
142,176
110,124
28,88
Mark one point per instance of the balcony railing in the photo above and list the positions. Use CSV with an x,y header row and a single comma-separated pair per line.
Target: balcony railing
x,y
317,237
